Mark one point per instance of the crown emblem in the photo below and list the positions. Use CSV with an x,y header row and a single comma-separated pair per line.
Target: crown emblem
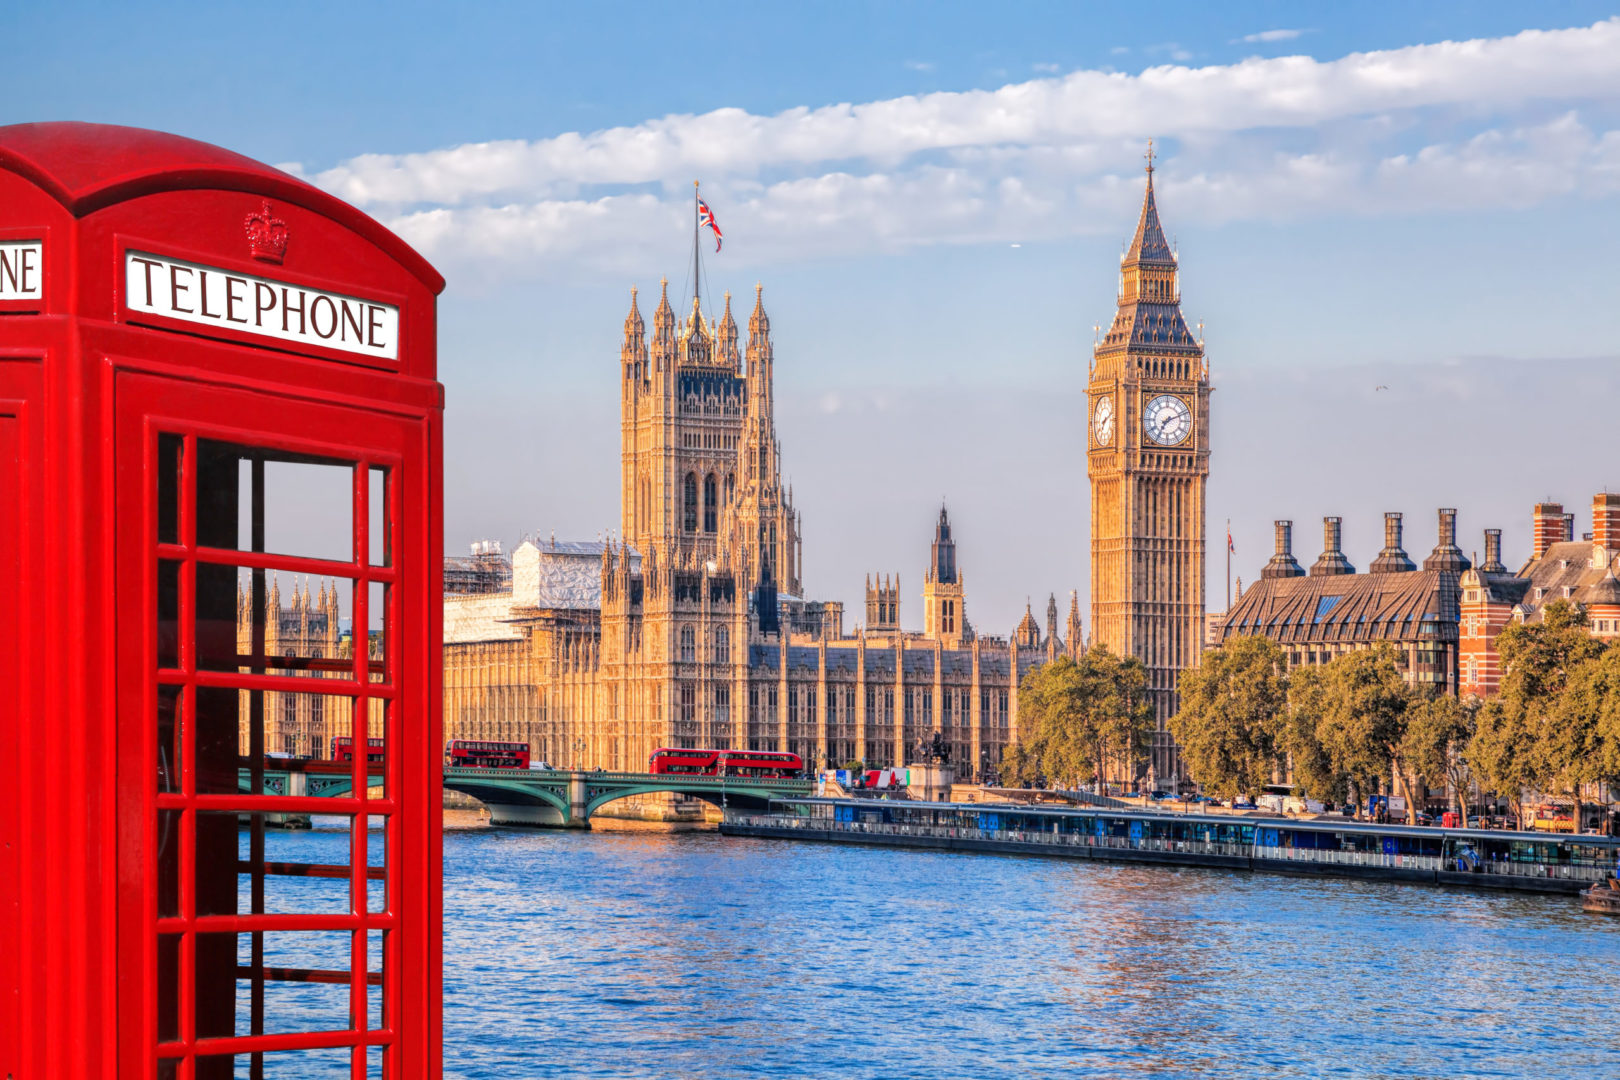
x,y
267,234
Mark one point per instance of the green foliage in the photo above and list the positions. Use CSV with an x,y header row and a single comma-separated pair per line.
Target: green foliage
x,y
1438,730
1233,707
1533,734
1020,765
854,766
1314,772
1081,720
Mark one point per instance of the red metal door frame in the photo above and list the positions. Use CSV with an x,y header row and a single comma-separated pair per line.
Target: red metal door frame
x,y
145,405
19,697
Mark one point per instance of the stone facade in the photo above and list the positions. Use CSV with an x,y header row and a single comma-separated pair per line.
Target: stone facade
x,y
695,631
1148,462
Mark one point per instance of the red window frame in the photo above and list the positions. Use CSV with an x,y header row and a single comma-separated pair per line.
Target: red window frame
x,y
146,406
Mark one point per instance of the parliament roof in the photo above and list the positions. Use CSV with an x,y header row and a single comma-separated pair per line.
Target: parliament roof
x,y
1348,607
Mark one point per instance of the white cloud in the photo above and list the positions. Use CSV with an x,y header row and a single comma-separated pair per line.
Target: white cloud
x,y
1263,138
1268,36
1047,69
919,65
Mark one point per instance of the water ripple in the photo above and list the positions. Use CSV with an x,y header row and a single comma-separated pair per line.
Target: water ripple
x,y
644,954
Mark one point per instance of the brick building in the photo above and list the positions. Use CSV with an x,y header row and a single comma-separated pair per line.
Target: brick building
x,y
1560,567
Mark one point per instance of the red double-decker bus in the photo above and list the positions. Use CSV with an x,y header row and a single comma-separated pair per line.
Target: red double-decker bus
x,y
473,754
757,763
343,749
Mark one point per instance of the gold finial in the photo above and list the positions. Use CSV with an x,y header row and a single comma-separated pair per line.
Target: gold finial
x,y
1149,156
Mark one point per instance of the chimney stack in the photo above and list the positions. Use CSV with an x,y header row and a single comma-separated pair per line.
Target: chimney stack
x,y
1546,527
1282,564
1332,561
1605,528
1392,560
1493,553
1447,555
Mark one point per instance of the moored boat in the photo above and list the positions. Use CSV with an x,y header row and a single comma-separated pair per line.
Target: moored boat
x,y
1603,897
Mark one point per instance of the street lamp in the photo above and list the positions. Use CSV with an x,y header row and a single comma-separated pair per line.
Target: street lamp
x,y
579,752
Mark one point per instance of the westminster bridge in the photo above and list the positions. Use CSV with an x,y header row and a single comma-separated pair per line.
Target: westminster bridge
x,y
555,797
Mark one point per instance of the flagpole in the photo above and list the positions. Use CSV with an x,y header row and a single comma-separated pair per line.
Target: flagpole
x,y
1228,566
695,270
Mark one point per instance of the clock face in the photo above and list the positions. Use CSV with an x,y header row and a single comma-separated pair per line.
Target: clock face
x,y
1166,420
1102,421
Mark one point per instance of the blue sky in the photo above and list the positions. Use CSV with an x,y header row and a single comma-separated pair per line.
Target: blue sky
x,y
1419,196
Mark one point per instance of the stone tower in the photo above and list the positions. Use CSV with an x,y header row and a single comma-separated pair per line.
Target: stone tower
x,y
944,611
1148,460
883,604
700,460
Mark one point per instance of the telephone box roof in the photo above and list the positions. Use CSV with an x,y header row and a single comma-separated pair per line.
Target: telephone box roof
x,y
87,167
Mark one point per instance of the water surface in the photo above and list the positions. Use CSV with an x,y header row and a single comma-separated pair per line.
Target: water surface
x,y
651,954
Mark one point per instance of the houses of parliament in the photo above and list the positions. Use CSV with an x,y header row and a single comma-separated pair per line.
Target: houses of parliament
x,y
696,629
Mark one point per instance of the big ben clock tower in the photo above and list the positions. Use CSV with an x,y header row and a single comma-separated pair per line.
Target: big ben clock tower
x,y
1147,441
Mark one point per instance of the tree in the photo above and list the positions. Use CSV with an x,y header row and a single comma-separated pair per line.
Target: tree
x,y
1438,729
1121,717
1314,772
1019,765
1081,719
1053,715
1500,753
1233,707
1366,718
1584,739
1527,737
1345,725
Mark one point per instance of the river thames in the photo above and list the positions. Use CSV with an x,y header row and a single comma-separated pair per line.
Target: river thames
x,y
659,954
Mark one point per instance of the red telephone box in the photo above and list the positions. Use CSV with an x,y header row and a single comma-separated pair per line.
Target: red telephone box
x,y
217,392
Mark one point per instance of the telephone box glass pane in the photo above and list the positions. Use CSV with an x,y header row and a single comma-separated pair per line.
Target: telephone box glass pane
x,y
377,597
257,499
376,958
170,448
377,499
168,613
168,738
297,735
168,863
294,981
378,748
168,987
298,875
302,626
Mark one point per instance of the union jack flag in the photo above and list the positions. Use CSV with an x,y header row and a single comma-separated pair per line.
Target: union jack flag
x,y
706,217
